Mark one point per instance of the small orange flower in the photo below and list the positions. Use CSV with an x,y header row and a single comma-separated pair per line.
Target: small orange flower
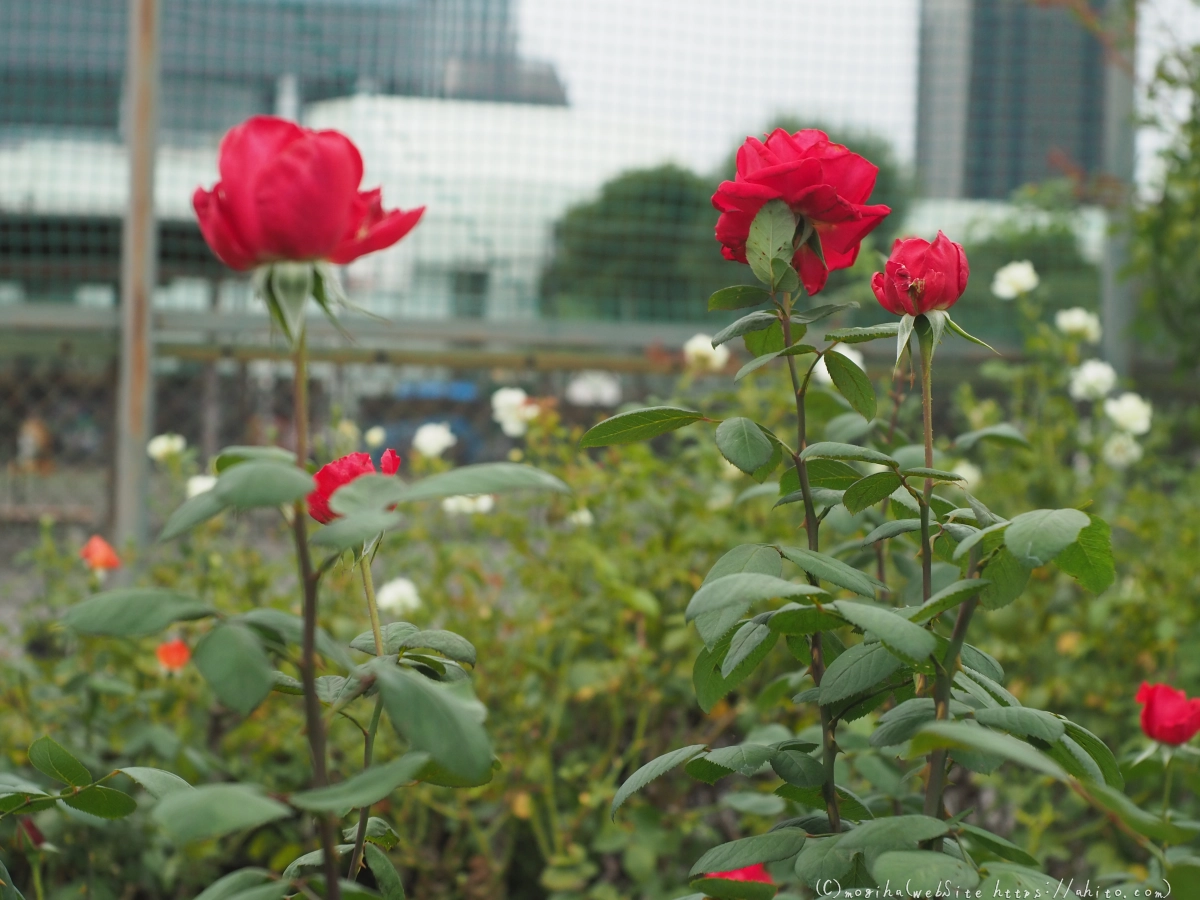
x,y
99,554
173,655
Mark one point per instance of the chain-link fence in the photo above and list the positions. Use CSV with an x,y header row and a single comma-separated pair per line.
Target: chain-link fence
x,y
566,153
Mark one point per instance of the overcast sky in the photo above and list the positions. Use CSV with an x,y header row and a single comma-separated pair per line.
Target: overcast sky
x,y
714,71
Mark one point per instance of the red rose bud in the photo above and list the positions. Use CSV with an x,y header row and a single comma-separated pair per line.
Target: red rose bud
x,y
342,471
290,193
32,832
99,554
1168,716
173,655
757,872
920,276
823,182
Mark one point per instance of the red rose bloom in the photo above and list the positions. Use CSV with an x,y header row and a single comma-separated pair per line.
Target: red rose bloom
x,y
99,554
920,276
173,655
821,181
342,471
290,193
1168,716
757,872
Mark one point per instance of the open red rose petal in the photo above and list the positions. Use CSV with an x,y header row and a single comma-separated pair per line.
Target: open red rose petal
x,y
342,471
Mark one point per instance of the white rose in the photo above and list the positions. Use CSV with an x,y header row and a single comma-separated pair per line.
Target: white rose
x,y
1121,450
971,474
1077,322
433,439
468,504
1092,380
375,437
582,518
821,371
162,447
594,389
513,411
398,596
347,429
1129,412
699,353
199,484
1015,279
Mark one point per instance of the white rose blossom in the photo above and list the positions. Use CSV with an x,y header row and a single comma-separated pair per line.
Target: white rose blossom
x,y
513,411
700,354
433,439
581,518
594,389
1092,380
1015,279
468,504
821,371
199,484
1129,412
162,447
398,596
347,429
1077,322
1121,450
375,437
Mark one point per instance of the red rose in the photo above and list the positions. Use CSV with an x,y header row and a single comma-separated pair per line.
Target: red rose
x,y
99,554
920,276
821,181
1168,716
173,655
756,872
290,193
342,471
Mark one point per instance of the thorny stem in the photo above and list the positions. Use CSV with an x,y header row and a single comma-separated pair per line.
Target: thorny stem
x,y
925,339
360,837
812,529
308,668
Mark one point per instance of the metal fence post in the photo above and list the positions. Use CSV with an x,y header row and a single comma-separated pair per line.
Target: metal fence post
x,y
138,273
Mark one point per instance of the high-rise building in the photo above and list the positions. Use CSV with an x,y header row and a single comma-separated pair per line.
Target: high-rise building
x,y
1009,92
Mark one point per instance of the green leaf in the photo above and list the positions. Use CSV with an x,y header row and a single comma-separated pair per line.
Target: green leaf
x,y
816,313
8,890
769,340
853,384
387,879
497,478
1090,559
743,443
834,450
290,629
738,592
738,297
828,473
157,782
232,456
860,335
105,802
957,329
923,870
993,843
232,661
1038,536
1007,577
1004,433
851,804
436,719
1137,818
869,491
934,474
794,619
763,848
756,321
365,788
910,642
755,364
902,721
1022,721
260,483
893,833
710,685
354,530
744,642
275,890
1098,751
784,277
52,759
191,513
947,598
725,889
652,770
770,238
831,569
638,425
133,612
965,545
212,810
760,558
379,833
798,769
745,759
230,885
861,667
972,737
1001,878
